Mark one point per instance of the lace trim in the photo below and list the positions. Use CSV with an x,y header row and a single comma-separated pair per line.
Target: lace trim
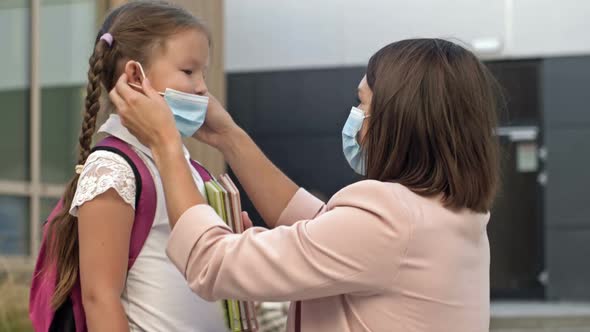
x,y
104,170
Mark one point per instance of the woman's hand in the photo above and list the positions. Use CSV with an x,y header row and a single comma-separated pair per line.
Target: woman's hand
x,y
146,115
219,127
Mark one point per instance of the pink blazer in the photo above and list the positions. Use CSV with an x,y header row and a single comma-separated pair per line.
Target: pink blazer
x,y
376,257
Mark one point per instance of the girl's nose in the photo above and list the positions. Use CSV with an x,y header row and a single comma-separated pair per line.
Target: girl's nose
x,y
201,87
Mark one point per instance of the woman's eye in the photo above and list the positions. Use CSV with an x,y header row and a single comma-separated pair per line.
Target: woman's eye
x,y
188,71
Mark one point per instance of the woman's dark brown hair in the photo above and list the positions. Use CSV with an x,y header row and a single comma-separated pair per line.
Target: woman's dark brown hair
x,y
139,30
433,120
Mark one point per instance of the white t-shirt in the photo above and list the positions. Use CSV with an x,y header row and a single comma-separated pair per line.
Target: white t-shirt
x,y
156,297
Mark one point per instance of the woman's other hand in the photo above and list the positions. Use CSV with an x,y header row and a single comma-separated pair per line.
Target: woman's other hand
x,y
219,127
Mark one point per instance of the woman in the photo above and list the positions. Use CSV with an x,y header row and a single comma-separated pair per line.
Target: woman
x,y
404,250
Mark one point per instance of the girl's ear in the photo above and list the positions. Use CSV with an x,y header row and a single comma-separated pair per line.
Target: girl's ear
x,y
134,72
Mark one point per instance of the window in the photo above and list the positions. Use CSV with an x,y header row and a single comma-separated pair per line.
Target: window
x,y
42,90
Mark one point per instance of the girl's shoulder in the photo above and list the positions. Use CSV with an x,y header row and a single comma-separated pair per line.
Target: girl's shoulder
x,y
108,166
102,171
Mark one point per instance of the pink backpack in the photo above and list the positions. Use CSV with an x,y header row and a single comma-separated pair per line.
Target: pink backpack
x,y
70,316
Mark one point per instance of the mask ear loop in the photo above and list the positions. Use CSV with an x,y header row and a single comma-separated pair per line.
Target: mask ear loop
x,y
364,113
141,70
137,86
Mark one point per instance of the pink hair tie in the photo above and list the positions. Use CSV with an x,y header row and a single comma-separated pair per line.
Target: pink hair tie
x,y
107,37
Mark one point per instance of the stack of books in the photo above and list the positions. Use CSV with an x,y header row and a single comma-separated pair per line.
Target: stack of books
x,y
224,197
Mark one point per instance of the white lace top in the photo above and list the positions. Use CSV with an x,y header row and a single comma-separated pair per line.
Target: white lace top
x,y
104,170
156,296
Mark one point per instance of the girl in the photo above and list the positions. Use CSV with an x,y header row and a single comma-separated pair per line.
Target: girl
x,y
404,250
91,236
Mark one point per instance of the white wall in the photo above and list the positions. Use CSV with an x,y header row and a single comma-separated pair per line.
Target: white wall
x,y
67,37
271,34
549,27
290,34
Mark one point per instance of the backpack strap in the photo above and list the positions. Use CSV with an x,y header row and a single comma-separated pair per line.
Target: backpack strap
x,y
43,317
145,199
298,316
203,172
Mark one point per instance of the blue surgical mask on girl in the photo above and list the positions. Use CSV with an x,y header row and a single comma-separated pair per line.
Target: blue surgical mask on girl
x,y
352,149
189,109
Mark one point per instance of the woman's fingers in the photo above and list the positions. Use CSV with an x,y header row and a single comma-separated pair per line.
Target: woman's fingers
x,y
131,97
116,99
246,221
121,82
122,109
145,114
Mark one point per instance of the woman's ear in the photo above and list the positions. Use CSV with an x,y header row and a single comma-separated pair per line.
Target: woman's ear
x,y
134,71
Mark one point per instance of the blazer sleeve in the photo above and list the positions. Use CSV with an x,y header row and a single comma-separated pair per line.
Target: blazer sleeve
x,y
356,245
302,206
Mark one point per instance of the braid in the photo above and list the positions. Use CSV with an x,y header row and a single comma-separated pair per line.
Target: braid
x,y
62,234
92,102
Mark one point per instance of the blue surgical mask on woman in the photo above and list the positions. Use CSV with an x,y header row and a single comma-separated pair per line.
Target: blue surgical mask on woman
x,y
189,109
350,146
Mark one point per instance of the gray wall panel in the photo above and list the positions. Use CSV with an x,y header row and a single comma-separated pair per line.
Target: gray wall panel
x,y
306,102
567,197
566,91
567,257
566,100
296,117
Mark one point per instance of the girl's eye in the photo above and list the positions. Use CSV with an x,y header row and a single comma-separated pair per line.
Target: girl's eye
x,y
188,72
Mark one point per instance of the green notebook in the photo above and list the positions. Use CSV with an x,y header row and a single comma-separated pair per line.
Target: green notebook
x,y
216,197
